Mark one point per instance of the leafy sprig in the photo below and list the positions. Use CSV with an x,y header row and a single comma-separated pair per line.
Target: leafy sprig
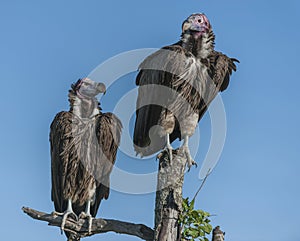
x,y
195,224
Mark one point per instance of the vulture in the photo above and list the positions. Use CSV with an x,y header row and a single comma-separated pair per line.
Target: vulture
x,y
176,84
84,143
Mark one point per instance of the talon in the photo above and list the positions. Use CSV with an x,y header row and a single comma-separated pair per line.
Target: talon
x,y
190,161
65,216
169,150
186,151
84,215
90,224
87,214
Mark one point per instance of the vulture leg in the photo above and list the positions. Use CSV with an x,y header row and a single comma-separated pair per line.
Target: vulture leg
x,y
168,148
87,214
186,151
68,212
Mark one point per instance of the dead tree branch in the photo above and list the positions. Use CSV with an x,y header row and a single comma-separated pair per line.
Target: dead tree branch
x,y
168,204
99,225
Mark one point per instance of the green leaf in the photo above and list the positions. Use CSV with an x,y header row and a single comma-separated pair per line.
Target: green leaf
x,y
194,223
194,214
192,204
185,233
185,204
201,233
207,228
194,233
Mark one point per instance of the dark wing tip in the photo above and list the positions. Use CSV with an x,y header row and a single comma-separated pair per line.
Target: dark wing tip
x,y
232,63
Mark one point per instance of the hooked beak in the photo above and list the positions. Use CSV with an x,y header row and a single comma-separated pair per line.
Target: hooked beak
x,y
196,27
101,88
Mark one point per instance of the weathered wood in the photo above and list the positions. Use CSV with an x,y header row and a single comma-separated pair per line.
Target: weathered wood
x,y
168,205
99,225
218,234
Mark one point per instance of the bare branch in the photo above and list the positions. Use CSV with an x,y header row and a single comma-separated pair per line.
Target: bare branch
x,y
202,184
99,225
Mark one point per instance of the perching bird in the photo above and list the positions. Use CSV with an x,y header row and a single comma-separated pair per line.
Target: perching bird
x,y
176,85
218,234
84,143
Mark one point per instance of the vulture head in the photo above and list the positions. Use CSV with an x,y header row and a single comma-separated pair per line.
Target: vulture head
x,y
86,88
196,24
82,97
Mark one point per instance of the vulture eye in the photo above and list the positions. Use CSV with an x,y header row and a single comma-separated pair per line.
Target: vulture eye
x,y
199,20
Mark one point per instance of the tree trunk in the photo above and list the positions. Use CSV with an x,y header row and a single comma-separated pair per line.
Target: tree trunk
x,y
168,203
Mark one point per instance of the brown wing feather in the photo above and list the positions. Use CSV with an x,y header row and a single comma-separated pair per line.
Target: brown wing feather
x,y
108,130
172,67
159,69
220,69
60,126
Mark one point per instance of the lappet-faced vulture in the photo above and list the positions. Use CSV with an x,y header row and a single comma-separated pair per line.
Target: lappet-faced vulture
x,y
84,143
176,85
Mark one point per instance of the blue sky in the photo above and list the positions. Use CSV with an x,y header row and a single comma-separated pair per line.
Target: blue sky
x,y
47,45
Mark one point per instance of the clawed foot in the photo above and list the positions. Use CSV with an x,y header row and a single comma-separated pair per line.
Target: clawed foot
x,y
65,216
169,150
190,160
84,215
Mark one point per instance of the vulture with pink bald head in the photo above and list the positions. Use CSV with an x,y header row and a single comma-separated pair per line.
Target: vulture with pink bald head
x,y
84,143
176,85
